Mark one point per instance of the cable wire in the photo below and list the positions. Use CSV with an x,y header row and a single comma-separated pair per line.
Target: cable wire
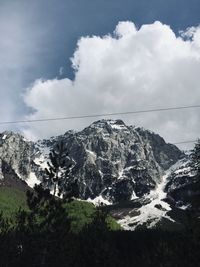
x,y
184,142
99,115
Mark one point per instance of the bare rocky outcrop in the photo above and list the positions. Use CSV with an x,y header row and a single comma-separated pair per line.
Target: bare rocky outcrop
x,y
112,160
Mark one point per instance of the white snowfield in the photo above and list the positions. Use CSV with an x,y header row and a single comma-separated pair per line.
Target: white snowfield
x,y
41,161
151,213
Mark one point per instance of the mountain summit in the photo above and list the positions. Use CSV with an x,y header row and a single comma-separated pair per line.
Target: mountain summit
x,y
113,162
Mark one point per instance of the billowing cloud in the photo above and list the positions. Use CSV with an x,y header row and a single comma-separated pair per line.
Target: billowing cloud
x,y
131,69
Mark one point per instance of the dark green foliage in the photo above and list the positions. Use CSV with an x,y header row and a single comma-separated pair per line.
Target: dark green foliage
x,y
42,229
54,232
99,223
95,247
44,235
49,242
45,211
4,224
80,214
112,224
156,248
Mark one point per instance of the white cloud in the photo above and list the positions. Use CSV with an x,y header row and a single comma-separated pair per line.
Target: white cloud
x,y
125,28
132,69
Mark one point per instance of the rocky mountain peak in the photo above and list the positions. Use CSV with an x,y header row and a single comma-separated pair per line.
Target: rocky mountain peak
x,y
114,163
112,160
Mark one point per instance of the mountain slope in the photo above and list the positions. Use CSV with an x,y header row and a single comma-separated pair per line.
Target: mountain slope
x,y
11,199
114,163
112,160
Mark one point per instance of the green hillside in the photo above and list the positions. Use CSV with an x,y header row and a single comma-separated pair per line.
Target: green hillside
x,y
80,212
11,199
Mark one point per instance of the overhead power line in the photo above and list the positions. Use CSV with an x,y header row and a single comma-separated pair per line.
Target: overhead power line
x,y
184,142
99,115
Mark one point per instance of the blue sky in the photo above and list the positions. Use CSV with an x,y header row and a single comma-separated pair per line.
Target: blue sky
x,y
58,24
39,37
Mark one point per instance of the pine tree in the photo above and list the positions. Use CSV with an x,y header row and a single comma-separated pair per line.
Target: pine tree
x,y
59,173
195,158
43,229
194,211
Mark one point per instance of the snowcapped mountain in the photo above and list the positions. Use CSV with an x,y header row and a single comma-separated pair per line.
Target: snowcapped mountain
x,y
114,163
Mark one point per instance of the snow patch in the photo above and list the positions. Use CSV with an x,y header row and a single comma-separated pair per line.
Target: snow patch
x,y
120,175
41,161
92,156
121,172
133,196
184,207
100,172
32,180
19,175
98,201
4,136
116,126
56,192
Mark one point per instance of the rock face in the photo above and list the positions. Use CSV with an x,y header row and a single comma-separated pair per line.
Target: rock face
x,y
147,181
112,160
183,183
167,205
15,155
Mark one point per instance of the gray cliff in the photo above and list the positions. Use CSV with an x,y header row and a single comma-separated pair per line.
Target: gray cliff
x,y
112,160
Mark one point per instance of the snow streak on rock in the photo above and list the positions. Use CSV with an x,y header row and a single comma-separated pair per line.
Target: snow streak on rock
x,y
113,163
32,180
155,209
113,160
98,201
